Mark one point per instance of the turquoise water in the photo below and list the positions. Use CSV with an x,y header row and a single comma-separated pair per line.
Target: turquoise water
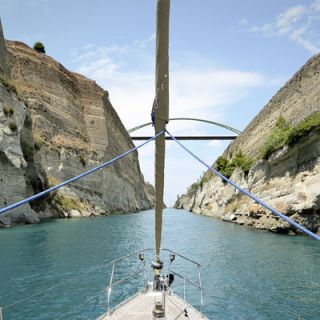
x,y
246,274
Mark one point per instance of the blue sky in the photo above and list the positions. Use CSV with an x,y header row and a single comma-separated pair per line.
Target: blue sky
x,y
227,59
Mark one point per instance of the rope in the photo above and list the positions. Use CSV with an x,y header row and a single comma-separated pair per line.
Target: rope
x,y
45,192
273,210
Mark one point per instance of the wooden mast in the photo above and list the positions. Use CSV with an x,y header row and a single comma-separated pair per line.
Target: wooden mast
x,y
161,109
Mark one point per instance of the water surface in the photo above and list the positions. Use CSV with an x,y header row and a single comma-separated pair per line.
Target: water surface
x,y
247,274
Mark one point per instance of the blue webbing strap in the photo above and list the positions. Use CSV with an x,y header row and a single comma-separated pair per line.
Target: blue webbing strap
x,y
45,192
281,215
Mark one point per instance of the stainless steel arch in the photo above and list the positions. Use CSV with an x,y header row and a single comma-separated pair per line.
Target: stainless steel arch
x,y
189,119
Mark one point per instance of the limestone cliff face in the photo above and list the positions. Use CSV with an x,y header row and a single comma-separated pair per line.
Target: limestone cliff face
x,y
289,180
66,126
299,98
4,66
20,176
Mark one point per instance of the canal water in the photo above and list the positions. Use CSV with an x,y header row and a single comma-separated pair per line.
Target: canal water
x,y
61,266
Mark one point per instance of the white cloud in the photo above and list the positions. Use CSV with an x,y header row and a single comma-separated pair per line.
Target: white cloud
x,y
205,92
145,42
127,72
243,22
297,23
287,21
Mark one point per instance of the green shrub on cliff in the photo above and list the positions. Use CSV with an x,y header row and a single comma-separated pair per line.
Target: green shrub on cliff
x,y
278,138
192,189
226,167
283,134
38,46
177,202
303,128
13,126
67,203
8,111
242,162
205,178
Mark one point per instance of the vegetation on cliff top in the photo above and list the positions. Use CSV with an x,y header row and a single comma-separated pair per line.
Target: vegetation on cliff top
x,y
38,46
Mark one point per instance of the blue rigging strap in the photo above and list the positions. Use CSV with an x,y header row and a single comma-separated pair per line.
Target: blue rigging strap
x,y
45,192
281,215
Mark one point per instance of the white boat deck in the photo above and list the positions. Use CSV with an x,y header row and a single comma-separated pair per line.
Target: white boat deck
x,y
140,307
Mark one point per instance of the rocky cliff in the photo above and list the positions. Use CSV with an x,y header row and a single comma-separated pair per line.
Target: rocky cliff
x,y
17,175
55,124
289,179
4,65
299,98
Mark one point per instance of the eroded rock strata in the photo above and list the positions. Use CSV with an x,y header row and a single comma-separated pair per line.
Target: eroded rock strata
x,y
55,124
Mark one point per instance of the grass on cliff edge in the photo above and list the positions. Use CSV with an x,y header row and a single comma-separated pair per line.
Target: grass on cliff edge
x,y
283,134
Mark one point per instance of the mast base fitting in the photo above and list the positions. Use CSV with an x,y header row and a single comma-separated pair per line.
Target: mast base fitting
x,y
157,264
158,311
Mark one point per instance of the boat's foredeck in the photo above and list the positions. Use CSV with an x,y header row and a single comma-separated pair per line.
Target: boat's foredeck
x,y
140,307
